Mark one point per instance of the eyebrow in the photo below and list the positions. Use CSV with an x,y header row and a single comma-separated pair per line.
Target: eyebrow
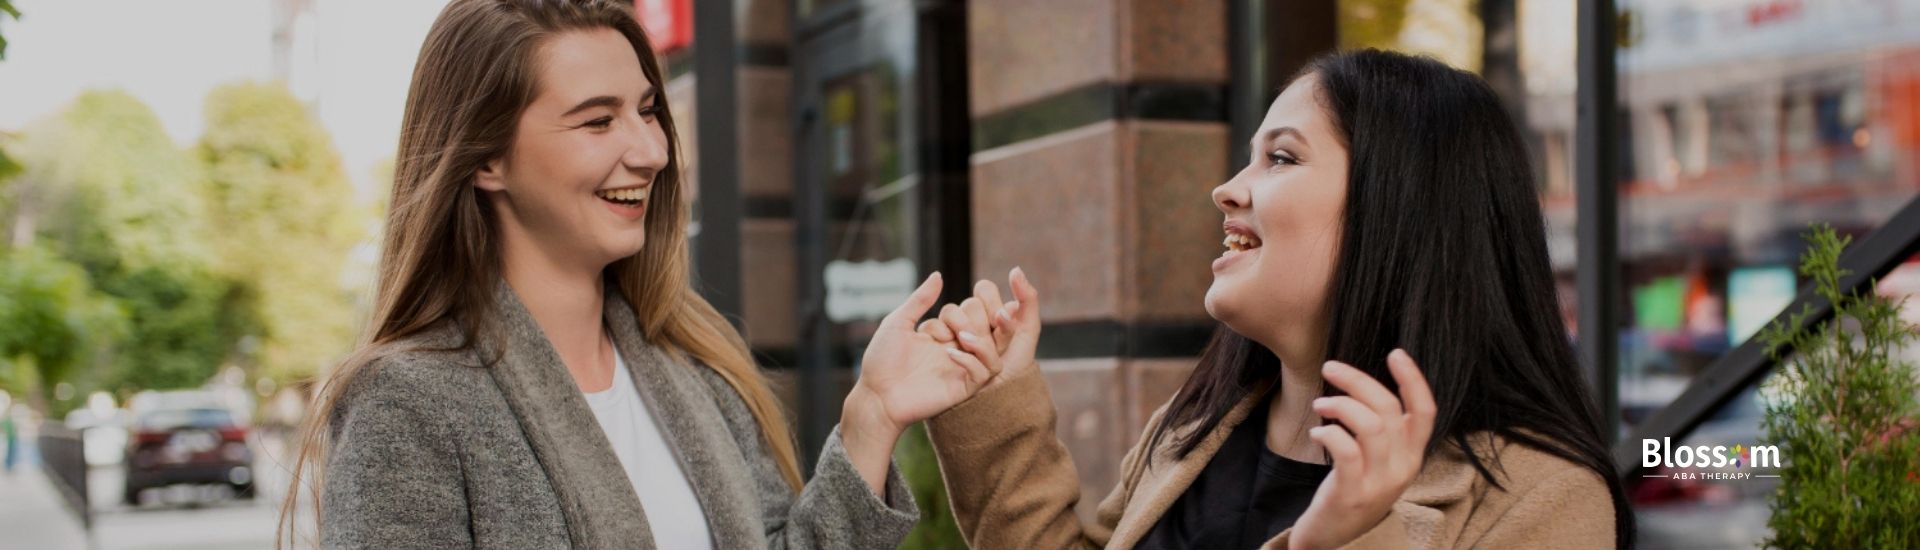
x,y
607,101
1270,135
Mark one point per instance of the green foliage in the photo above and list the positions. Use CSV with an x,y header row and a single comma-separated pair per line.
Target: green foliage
x,y
1843,409
285,210
8,168
937,529
240,240
118,194
6,9
120,201
7,165
186,321
53,317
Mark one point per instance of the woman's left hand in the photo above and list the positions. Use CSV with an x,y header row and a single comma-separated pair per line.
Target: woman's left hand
x,y
1377,450
905,377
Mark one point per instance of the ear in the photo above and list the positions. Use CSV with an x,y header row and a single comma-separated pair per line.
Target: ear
x,y
492,176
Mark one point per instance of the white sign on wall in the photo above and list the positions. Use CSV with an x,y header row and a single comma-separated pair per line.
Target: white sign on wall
x,y
861,291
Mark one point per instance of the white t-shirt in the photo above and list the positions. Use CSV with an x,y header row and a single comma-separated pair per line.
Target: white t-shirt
x,y
673,512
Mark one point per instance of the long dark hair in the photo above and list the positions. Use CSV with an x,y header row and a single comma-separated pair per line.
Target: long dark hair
x,y
1443,253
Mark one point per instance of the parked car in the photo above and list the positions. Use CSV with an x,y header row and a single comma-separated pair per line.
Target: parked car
x,y
188,445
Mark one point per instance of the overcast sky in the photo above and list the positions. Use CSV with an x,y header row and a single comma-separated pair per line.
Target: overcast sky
x,y
353,66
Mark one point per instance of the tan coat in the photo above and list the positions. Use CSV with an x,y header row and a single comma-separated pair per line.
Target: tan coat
x,y
1013,486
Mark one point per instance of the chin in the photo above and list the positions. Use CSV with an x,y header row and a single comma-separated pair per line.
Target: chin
x,y
1232,309
1216,304
623,247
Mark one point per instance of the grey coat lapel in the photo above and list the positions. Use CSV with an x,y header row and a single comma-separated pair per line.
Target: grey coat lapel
x,y
601,510
690,416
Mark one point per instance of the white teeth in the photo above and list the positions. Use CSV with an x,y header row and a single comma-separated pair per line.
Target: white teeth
x,y
625,195
1238,242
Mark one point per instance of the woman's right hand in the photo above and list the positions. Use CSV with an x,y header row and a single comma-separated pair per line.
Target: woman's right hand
x,y
1006,334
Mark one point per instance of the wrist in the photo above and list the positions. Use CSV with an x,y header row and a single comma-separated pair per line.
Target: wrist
x,y
868,436
864,417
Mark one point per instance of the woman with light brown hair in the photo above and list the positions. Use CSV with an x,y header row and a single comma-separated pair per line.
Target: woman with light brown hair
x,y
538,371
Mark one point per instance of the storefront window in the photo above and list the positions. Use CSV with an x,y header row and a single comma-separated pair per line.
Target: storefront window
x,y
1728,507
1719,507
1745,123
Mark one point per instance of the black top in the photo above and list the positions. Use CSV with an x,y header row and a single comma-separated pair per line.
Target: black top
x,y
1245,496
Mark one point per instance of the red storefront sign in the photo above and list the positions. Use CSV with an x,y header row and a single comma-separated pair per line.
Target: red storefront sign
x,y
669,23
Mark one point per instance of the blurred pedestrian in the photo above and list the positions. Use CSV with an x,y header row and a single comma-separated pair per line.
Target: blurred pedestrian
x,y
12,434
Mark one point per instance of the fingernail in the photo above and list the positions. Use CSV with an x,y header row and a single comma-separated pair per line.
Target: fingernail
x,y
956,352
968,336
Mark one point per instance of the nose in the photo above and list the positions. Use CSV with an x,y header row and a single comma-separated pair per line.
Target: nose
x,y
1233,195
647,148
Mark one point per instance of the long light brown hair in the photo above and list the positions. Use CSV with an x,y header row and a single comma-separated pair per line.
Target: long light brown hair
x,y
440,257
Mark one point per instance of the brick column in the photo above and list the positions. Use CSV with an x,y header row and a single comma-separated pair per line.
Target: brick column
x,y
1099,129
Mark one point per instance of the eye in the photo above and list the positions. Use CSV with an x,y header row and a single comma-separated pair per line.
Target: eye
x,y
650,111
1280,158
599,123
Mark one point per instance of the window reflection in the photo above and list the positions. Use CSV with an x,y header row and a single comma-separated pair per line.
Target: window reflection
x,y
1743,127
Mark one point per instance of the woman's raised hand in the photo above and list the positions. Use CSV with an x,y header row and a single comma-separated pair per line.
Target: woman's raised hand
x,y
1377,448
908,376
1002,335
905,377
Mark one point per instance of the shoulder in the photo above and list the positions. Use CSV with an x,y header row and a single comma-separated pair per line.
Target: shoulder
x,y
1523,470
732,405
1542,500
417,375
1523,467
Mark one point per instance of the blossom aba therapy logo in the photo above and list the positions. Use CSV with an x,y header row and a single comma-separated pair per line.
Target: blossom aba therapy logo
x,y
1708,461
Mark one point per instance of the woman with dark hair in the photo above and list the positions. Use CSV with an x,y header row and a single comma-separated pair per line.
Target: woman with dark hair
x,y
1389,206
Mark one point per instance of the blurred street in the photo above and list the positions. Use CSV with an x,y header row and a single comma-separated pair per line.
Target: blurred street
x,y
32,515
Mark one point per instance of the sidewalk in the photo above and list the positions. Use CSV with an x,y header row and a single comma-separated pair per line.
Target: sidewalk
x,y
32,514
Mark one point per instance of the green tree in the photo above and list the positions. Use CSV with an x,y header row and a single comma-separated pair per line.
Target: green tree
x,y
105,188
1842,407
7,166
7,10
287,219
54,319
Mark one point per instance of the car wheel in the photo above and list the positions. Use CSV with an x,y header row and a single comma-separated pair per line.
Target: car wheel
x,y
132,495
243,491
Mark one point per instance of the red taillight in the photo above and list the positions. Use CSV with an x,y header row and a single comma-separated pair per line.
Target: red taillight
x,y
233,433
151,438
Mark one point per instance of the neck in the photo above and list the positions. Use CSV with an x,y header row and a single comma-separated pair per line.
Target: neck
x,y
567,302
1291,413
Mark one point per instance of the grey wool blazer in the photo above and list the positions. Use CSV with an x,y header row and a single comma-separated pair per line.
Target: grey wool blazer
x,y
440,449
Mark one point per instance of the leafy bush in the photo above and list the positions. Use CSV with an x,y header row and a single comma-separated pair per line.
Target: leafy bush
x,y
1843,410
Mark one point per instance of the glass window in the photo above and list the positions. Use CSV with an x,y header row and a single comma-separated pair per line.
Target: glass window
x,y
1745,126
1728,507
1708,507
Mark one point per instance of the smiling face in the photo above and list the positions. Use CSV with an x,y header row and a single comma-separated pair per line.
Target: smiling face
x,y
574,184
1282,230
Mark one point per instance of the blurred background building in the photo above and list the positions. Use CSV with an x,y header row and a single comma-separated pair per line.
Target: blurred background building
x,y
845,148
